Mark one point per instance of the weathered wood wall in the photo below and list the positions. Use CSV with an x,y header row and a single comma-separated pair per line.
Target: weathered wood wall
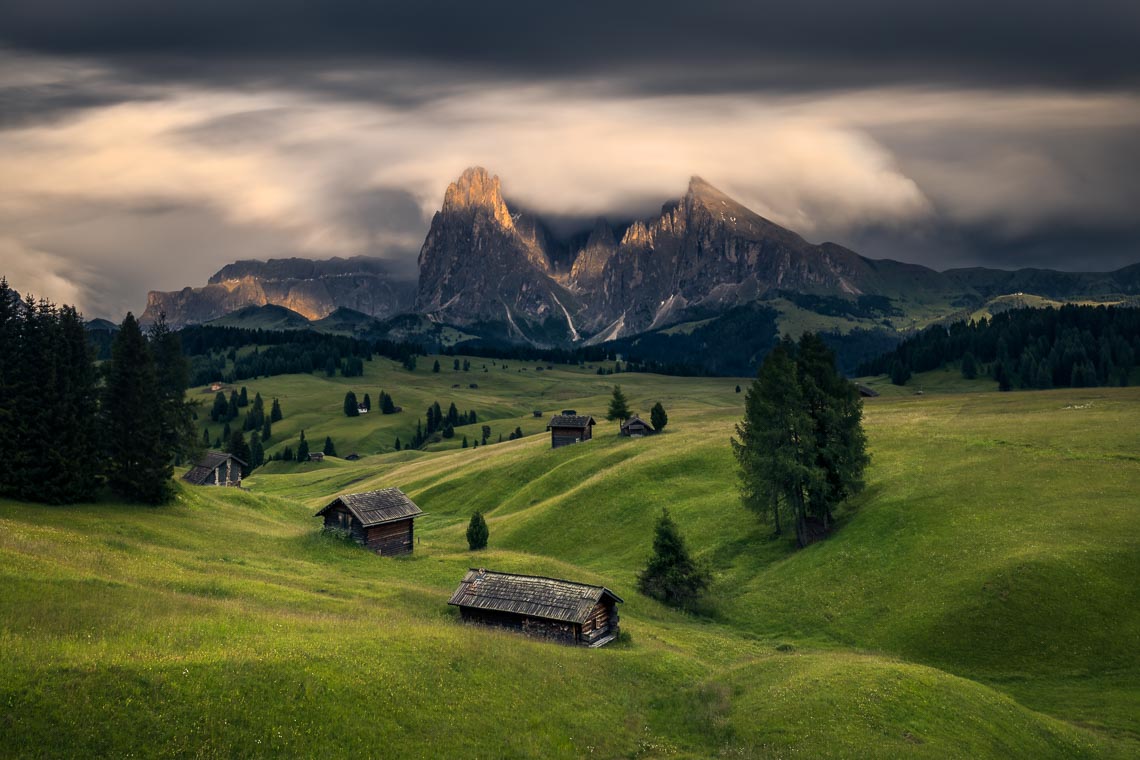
x,y
391,538
565,633
565,436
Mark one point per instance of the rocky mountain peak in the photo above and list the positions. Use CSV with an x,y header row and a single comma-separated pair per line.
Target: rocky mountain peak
x,y
477,189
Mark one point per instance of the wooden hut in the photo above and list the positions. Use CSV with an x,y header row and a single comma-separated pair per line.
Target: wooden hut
x,y
216,468
866,391
635,427
379,520
569,427
317,456
567,612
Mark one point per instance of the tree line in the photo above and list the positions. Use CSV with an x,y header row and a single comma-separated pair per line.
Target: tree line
x,y
1070,346
67,427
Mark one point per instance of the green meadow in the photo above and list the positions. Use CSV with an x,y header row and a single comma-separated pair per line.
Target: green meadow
x,y
979,598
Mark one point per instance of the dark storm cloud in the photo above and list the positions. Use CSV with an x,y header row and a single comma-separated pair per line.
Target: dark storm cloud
x,y
657,46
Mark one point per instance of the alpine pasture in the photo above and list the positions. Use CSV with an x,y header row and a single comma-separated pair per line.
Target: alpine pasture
x,y
978,599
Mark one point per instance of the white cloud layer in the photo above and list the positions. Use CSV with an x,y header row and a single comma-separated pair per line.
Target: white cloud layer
x,y
117,199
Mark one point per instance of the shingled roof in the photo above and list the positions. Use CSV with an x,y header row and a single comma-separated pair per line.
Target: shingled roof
x,y
376,507
532,595
204,468
635,420
571,421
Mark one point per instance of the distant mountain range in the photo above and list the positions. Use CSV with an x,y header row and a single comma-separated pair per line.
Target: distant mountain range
x,y
489,271
313,289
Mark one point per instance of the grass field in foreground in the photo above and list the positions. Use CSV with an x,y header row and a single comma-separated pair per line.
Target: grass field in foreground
x,y
978,600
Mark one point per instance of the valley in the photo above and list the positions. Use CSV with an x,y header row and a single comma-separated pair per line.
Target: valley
x,y
977,600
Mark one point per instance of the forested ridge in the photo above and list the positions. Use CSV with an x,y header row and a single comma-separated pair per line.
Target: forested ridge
x,y
1070,346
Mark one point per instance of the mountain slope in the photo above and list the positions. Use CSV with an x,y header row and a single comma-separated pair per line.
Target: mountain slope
x,y
478,266
313,289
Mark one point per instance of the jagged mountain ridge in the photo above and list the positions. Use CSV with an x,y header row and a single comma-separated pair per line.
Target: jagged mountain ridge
x,y
482,262
312,288
495,269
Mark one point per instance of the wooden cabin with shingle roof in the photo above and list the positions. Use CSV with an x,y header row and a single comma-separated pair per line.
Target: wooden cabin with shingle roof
x,y
569,427
567,612
216,468
635,427
382,521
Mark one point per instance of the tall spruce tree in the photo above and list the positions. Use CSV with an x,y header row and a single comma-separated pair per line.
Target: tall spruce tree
x,y
351,407
658,417
672,576
275,415
78,449
9,358
329,448
619,408
138,466
172,370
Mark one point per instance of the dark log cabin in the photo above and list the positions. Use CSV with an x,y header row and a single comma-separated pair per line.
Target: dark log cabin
x,y
379,520
569,427
216,468
635,427
564,611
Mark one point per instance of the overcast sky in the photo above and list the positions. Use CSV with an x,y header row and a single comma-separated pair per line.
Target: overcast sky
x,y
143,146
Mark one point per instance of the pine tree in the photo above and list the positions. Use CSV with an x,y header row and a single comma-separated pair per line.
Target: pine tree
x,y
477,532
275,415
351,408
619,407
266,431
969,366
367,402
205,438
138,468
232,410
452,415
435,367
464,443
78,453
303,449
243,398
221,408
173,373
900,373
9,361
671,575
239,448
329,449
287,454
658,417
486,430
226,432
387,406
397,445
455,365
256,451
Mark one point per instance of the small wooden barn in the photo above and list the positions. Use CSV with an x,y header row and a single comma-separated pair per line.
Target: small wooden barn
x,y
216,468
635,427
382,521
570,427
866,391
564,611
317,456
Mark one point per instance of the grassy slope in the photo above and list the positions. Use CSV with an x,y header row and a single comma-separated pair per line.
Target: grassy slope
x,y
979,599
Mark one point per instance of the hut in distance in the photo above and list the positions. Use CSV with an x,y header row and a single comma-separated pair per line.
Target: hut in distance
x,y
635,427
216,468
382,521
570,427
563,611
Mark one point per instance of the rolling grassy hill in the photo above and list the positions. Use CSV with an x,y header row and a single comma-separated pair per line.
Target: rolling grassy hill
x,y
978,600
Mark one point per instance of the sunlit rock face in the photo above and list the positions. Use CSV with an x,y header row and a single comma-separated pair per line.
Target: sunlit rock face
x,y
313,289
477,265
